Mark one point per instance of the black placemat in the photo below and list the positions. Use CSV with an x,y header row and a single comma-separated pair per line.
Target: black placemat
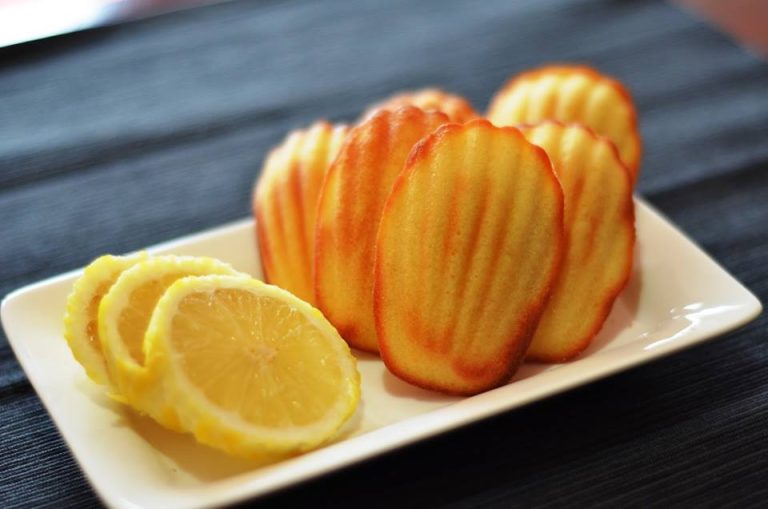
x,y
120,138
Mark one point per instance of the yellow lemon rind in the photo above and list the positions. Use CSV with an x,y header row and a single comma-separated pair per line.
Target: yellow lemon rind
x,y
99,271
139,385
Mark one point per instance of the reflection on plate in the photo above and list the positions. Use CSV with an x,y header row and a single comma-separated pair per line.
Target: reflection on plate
x,y
677,297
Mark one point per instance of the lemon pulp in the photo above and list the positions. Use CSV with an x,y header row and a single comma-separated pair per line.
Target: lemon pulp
x,y
255,357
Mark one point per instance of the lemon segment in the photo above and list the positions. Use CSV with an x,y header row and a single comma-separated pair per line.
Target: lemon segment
x,y
250,368
124,313
81,329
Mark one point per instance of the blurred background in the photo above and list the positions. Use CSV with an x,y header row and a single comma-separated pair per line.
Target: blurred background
x,y
120,137
204,92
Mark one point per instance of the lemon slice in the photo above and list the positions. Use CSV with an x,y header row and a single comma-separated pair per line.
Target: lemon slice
x,y
124,313
81,328
250,368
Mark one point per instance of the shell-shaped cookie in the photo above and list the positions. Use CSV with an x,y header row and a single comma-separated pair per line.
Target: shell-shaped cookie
x,y
285,205
599,232
454,106
468,247
572,94
348,214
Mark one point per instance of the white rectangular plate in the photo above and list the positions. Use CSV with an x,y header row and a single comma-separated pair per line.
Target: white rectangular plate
x,y
677,297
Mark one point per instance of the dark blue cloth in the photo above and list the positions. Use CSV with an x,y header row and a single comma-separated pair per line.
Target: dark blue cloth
x,y
120,138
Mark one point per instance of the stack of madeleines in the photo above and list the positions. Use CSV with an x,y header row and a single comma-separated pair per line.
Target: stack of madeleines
x,y
457,246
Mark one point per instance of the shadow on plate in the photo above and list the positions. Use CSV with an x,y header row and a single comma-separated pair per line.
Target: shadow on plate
x,y
179,451
197,460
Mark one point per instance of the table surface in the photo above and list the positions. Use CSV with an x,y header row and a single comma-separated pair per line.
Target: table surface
x,y
120,138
